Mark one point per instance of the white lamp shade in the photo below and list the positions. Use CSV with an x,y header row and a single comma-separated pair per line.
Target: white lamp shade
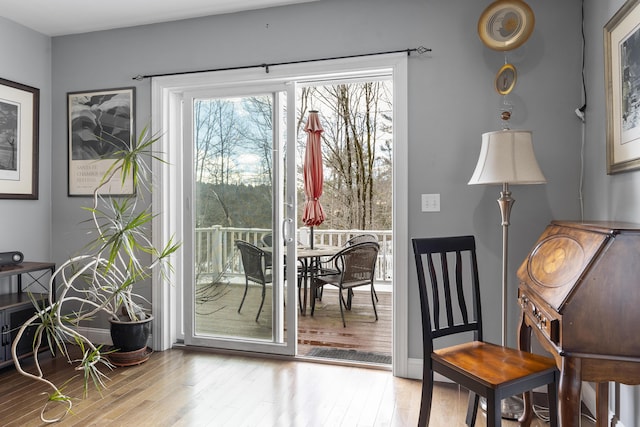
x,y
507,156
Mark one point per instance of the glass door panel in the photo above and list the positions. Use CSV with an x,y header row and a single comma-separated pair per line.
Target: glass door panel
x,y
236,297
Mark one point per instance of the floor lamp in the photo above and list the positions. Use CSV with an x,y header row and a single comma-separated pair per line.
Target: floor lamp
x,y
507,157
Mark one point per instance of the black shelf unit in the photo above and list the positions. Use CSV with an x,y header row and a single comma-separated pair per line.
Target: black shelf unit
x,y
17,307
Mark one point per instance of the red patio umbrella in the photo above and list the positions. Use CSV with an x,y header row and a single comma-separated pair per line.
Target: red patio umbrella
x,y
312,172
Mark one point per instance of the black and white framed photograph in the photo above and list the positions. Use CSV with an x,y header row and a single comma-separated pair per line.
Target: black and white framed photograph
x,y
622,76
100,127
19,130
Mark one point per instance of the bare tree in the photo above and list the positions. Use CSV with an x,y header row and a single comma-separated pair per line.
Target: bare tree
x,y
356,120
259,135
217,138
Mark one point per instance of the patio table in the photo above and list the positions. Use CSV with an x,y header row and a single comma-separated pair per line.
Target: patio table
x,y
310,264
309,260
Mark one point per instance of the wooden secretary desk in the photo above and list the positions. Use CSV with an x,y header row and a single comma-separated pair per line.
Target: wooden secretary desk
x,y
579,292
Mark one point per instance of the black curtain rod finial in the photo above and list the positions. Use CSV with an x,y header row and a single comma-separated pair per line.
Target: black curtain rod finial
x,y
420,50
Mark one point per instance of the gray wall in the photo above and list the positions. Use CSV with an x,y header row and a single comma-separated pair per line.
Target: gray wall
x,y
607,197
451,103
25,225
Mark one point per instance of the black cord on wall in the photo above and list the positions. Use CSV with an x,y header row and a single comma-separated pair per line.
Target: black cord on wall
x,y
580,112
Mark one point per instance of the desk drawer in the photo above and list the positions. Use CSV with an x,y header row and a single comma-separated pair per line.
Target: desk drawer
x,y
540,316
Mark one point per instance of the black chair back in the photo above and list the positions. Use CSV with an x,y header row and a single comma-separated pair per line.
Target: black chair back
x,y
451,301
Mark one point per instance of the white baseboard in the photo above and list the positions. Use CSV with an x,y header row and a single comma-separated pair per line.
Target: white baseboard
x,y
96,335
414,371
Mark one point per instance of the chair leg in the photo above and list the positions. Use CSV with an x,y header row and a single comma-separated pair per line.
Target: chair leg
x,y
341,302
349,299
312,300
246,286
373,301
300,279
552,391
264,290
494,411
472,409
427,396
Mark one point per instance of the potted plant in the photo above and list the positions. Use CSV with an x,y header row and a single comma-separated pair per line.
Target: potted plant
x,y
102,279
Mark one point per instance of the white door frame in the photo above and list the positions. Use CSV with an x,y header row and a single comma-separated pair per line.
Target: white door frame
x,y
168,200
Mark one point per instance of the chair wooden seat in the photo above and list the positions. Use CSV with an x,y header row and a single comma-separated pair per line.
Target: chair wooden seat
x,y
493,366
450,305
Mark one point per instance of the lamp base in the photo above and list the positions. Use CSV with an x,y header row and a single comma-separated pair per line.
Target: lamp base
x,y
512,407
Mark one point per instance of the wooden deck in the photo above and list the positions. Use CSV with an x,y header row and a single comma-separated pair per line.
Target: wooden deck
x,y
363,332
217,314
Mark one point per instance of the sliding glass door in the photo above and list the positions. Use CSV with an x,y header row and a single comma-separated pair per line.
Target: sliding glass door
x,y
235,143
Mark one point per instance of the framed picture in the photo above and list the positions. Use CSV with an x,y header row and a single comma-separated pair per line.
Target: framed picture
x,y
19,130
622,78
100,127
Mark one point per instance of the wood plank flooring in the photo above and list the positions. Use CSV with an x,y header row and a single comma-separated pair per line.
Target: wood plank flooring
x,y
192,388
183,387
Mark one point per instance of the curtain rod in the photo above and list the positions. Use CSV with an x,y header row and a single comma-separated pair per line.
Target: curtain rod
x,y
419,50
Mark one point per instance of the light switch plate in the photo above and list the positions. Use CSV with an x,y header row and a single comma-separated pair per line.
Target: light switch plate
x,y
431,203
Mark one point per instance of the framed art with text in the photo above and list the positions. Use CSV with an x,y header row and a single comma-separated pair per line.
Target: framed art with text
x,y
100,128
622,79
19,131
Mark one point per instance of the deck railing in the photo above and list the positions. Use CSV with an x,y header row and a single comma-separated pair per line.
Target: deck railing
x,y
215,247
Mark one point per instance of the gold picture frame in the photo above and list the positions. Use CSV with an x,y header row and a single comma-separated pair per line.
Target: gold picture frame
x,y
621,53
506,24
506,79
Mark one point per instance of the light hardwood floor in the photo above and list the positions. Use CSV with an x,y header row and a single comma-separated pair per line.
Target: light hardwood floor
x,y
194,388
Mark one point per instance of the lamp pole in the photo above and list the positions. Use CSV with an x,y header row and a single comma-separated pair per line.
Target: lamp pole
x,y
505,202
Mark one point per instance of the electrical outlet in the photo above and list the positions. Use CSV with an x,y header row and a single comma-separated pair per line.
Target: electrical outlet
x,y
431,203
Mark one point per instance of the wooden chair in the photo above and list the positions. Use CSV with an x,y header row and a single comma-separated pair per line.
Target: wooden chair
x,y
254,263
492,371
354,266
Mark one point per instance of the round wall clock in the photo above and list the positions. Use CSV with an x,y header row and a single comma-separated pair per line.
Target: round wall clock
x,y
506,79
506,24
